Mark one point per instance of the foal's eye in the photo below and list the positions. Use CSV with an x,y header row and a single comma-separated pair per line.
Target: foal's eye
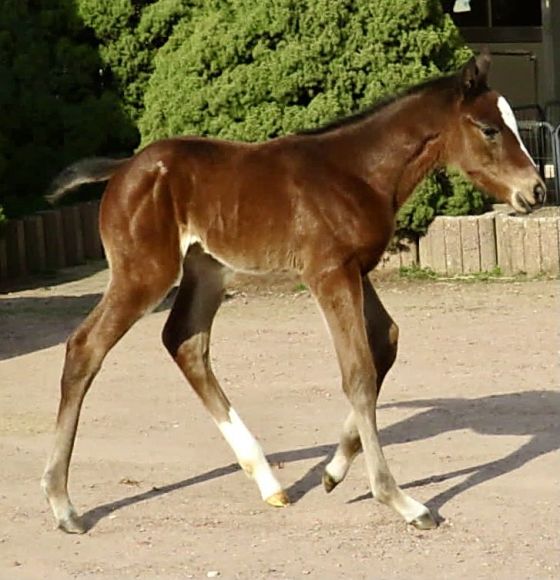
x,y
489,132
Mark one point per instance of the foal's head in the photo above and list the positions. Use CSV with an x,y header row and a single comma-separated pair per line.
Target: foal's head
x,y
484,141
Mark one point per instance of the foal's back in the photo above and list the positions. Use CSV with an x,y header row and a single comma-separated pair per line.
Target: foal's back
x,y
288,195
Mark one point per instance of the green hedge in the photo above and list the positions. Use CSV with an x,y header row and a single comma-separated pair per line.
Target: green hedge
x,y
442,193
129,34
55,107
253,70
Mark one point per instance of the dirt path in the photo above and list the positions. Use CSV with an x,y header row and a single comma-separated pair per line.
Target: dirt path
x,y
470,419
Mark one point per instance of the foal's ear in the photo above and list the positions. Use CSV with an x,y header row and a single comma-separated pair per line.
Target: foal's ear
x,y
474,74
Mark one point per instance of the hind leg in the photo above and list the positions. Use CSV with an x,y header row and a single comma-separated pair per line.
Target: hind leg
x,y
186,336
122,305
383,338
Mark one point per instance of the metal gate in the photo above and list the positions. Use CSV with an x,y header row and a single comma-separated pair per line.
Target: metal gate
x,y
556,197
543,143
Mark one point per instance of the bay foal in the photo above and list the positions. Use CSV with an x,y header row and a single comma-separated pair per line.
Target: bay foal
x,y
322,204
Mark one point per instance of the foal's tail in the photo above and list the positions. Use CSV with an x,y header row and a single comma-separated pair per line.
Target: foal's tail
x,y
84,171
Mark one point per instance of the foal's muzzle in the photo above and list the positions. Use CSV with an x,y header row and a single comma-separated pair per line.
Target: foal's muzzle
x,y
540,193
524,202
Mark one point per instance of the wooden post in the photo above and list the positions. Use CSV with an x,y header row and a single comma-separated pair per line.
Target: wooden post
x,y
550,244
532,243
503,244
517,244
432,247
487,242
470,244
55,253
73,237
34,243
89,214
453,254
15,249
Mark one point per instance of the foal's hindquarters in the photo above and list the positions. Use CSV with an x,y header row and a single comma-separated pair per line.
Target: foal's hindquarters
x,y
145,262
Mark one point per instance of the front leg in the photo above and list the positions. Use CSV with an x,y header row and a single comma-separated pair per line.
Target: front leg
x,y
383,336
340,295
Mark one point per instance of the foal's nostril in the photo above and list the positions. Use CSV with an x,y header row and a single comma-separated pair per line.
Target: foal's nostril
x,y
539,193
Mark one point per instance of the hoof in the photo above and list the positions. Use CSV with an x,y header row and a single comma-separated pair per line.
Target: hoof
x,y
279,499
72,525
329,483
424,521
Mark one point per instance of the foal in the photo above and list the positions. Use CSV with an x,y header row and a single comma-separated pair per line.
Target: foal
x,y
321,203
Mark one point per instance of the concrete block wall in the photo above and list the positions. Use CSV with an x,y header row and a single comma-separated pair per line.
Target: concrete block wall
x,y
460,245
498,239
529,245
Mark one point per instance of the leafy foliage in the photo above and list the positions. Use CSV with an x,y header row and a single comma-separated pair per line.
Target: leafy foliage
x,y
53,105
254,70
442,193
79,75
129,33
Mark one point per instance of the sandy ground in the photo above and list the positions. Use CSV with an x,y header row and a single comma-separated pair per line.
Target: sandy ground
x,y
470,419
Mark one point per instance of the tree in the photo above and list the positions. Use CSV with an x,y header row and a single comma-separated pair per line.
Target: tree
x,y
129,34
54,107
254,70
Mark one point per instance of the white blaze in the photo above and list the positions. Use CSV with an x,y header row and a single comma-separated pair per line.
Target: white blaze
x,y
509,119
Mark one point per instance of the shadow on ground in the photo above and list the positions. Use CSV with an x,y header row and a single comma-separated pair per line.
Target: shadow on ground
x,y
534,414
31,323
55,278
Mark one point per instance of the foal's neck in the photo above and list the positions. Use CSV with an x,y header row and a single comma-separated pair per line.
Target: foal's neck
x,y
399,145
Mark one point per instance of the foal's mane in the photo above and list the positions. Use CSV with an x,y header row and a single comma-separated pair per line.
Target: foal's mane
x,y
439,83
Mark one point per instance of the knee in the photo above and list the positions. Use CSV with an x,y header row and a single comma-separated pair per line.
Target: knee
x,y
76,344
82,359
359,387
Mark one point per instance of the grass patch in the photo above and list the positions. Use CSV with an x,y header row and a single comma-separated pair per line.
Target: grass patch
x,y
484,276
300,287
415,272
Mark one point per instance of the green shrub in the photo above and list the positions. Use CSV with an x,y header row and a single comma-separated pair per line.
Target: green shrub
x,y
54,107
442,193
254,70
75,73
129,33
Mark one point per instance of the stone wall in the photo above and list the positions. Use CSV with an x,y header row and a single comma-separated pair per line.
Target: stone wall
x,y
498,239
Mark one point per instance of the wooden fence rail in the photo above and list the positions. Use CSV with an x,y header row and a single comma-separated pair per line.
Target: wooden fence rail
x,y
50,240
